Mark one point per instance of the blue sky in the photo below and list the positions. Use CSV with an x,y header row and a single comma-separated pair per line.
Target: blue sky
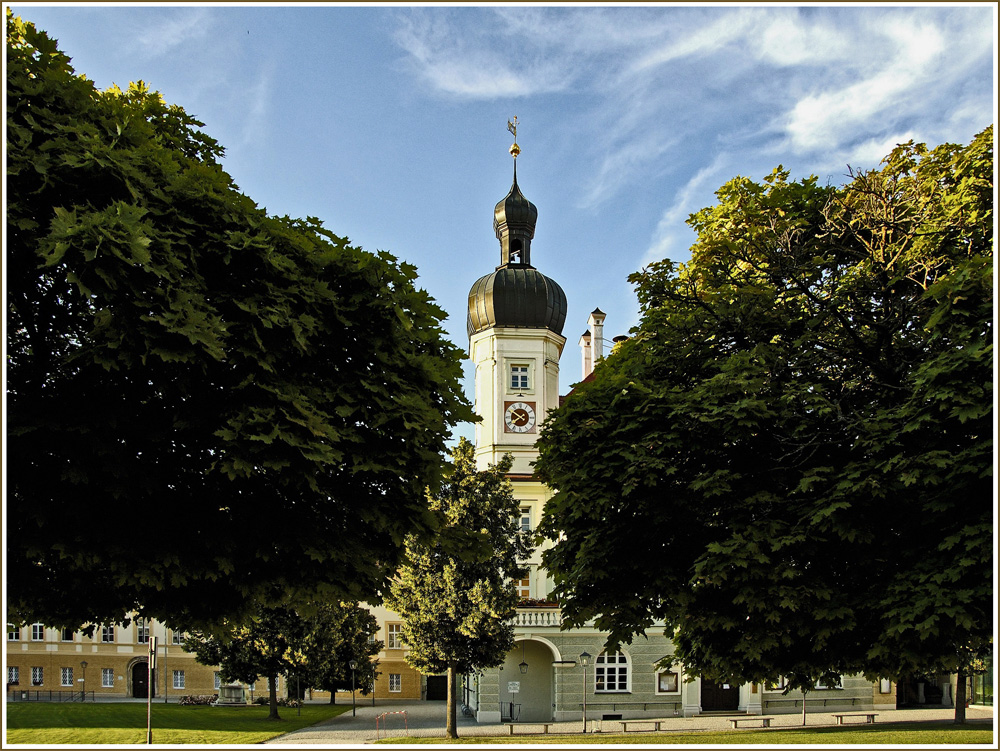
x,y
389,122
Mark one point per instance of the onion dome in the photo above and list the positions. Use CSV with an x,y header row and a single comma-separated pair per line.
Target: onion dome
x,y
516,294
514,223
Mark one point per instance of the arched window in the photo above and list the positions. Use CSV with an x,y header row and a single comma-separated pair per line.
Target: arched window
x,y
611,673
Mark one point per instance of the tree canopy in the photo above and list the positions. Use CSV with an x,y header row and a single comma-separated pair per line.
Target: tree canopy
x,y
789,463
341,633
457,600
205,404
315,645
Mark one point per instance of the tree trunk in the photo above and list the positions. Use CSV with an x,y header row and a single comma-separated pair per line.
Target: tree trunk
x,y
272,697
804,706
451,726
333,696
960,695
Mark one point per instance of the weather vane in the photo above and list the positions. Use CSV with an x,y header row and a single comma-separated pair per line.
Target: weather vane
x,y
512,127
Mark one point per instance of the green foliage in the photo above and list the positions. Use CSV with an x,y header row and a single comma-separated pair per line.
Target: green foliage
x,y
206,404
456,593
337,635
314,645
790,461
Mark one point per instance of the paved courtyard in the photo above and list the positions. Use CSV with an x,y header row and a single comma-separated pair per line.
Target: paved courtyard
x,y
427,719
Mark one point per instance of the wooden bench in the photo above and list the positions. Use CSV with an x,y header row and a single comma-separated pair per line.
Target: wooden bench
x,y
544,725
765,722
869,717
654,724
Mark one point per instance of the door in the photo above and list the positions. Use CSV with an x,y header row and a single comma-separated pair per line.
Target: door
x,y
719,697
140,681
437,687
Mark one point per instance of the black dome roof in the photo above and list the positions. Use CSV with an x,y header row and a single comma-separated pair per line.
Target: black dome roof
x,y
517,296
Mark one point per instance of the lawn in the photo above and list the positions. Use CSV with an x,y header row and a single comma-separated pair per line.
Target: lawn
x,y
39,723
923,734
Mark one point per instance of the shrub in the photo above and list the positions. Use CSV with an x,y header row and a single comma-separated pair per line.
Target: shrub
x,y
283,701
202,700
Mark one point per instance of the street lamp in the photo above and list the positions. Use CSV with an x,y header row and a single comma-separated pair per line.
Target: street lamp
x,y
83,694
354,708
584,661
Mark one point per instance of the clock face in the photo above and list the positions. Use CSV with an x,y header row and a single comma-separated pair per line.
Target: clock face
x,y
519,417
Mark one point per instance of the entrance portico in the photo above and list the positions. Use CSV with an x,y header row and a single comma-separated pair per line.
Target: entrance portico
x,y
523,688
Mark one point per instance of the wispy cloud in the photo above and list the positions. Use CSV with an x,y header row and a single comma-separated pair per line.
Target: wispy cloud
x,y
165,33
474,61
692,91
672,224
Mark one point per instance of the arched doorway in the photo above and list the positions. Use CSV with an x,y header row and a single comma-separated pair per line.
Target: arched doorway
x,y
140,680
527,696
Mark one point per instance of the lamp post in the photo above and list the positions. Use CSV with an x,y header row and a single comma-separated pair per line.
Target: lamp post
x,y
584,661
83,667
354,708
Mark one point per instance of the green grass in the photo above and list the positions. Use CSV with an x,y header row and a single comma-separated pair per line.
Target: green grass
x,y
38,723
898,734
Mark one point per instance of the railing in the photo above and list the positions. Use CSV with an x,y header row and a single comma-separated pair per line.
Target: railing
x,y
17,694
646,705
831,700
538,617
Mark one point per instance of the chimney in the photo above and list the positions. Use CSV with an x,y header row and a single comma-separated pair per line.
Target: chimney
x,y
588,362
596,324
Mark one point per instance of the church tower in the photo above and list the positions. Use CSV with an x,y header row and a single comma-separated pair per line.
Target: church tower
x,y
516,316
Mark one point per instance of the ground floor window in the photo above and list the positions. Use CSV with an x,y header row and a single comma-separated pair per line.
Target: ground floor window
x,y
833,682
37,677
107,677
218,679
13,674
611,672
178,679
395,682
66,675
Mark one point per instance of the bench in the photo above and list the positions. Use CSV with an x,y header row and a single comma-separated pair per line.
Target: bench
x,y
654,724
765,722
511,725
869,717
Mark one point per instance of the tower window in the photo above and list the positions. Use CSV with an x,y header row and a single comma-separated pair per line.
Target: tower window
x,y
515,252
519,378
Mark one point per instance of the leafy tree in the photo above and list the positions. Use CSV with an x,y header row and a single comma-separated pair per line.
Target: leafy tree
x,y
457,608
269,644
347,634
276,641
795,446
205,404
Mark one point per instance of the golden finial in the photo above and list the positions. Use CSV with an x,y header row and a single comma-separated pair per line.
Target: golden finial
x,y
512,127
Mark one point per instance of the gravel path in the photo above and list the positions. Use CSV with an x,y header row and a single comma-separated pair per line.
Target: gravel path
x,y
427,719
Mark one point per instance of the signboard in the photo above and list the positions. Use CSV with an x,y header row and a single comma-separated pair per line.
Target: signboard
x,y
513,687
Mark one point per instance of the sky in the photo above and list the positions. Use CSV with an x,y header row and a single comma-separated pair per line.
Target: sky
x,y
389,122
